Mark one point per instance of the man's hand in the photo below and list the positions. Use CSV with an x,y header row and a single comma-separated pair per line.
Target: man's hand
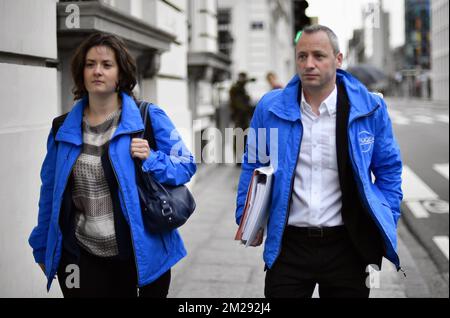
x,y
258,238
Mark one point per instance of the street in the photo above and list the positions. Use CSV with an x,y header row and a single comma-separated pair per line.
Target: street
x,y
422,130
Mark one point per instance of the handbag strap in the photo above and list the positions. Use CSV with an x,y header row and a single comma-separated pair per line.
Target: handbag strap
x,y
148,127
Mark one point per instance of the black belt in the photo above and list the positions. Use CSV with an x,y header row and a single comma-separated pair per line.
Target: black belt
x,y
316,231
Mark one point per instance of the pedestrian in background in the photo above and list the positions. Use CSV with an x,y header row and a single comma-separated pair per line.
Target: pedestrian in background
x,y
328,220
240,102
241,111
89,209
272,79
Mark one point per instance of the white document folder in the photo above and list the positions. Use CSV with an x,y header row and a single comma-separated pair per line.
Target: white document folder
x,y
257,207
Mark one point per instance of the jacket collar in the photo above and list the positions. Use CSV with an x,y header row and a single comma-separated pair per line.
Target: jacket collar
x,y
71,130
361,101
287,107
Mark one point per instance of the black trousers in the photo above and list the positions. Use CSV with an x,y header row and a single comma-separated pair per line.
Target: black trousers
x,y
324,257
99,277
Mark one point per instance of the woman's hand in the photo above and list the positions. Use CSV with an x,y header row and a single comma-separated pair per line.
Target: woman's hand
x,y
140,148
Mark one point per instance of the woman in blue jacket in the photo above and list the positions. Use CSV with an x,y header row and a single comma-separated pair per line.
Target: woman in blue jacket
x,y
90,231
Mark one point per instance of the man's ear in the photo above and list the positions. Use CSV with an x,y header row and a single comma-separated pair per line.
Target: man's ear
x,y
339,59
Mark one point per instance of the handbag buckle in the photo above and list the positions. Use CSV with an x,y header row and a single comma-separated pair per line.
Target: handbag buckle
x,y
166,209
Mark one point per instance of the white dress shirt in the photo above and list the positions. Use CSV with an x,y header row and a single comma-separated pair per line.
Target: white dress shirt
x,y
316,195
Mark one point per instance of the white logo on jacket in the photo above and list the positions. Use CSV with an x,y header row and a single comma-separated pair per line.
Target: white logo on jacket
x,y
366,140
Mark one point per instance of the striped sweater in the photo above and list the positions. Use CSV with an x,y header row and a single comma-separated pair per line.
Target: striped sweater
x,y
94,221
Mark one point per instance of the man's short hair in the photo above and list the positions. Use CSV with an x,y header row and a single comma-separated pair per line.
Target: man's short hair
x,y
331,35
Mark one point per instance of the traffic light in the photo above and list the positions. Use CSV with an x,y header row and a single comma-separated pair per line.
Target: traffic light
x,y
301,20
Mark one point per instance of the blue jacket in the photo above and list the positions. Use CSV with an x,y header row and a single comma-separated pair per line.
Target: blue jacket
x,y
372,149
171,164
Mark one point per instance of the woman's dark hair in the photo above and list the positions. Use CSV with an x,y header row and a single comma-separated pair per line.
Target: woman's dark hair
x,y
126,63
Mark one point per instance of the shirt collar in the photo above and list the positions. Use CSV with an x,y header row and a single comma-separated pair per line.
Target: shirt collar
x,y
329,103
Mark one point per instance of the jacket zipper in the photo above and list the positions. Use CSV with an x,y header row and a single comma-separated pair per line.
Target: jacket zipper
x,y
290,191
59,209
123,200
358,179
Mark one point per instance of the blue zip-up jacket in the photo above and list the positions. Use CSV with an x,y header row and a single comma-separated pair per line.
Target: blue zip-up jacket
x,y
372,149
171,164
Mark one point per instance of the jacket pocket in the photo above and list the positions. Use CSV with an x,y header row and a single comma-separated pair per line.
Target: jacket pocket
x,y
389,214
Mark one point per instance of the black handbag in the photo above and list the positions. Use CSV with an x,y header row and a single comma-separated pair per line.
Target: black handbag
x,y
164,207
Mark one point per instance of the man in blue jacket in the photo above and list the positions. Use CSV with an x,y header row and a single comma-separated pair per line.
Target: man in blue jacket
x,y
328,219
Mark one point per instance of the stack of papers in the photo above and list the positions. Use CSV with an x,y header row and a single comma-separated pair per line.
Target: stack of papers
x,y
257,207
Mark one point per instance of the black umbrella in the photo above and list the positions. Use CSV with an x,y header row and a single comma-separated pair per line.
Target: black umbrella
x,y
367,74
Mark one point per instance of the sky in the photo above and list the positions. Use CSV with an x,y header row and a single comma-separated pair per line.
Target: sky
x,y
343,16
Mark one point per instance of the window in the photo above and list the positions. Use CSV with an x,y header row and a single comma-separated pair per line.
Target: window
x,y
257,25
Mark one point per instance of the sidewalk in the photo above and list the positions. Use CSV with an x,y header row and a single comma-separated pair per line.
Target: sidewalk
x,y
219,267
